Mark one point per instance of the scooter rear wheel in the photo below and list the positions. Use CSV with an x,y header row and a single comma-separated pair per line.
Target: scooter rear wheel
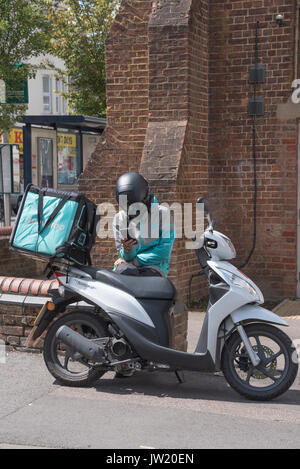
x,y
277,370
68,368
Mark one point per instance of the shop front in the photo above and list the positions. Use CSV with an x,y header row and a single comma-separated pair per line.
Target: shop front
x,y
57,148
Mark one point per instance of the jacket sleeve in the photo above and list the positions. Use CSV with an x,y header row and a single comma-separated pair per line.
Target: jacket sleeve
x,y
127,256
161,251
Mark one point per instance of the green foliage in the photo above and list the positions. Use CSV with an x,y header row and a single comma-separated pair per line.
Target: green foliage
x,y
78,37
74,30
24,33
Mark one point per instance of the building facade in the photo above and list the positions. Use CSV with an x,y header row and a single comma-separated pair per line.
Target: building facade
x,y
58,153
179,97
45,90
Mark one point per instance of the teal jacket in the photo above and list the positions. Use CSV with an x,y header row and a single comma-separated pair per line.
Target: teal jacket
x,y
154,234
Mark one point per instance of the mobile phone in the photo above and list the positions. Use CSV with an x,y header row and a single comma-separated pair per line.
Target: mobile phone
x,y
125,235
129,238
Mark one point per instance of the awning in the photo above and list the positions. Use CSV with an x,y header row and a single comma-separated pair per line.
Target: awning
x,y
83,123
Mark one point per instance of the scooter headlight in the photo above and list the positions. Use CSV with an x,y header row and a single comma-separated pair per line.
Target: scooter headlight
x,y
231,247
239,282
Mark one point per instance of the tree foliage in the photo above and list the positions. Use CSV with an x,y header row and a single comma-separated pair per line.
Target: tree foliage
x,y
24,33
74,30
78,37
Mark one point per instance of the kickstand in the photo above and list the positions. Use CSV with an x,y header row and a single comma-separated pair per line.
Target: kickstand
x,y
180,376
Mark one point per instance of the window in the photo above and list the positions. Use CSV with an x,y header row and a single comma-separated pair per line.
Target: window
x,y
64,101
45,147
47,95
68,158
57,96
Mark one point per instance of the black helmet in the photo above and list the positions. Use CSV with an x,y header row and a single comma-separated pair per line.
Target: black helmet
x,y
134,186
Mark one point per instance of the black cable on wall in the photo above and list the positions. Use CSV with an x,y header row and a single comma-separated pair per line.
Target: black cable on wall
x,y
255,185
256,109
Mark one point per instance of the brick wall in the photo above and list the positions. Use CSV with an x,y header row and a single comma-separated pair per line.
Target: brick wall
x,y
175,152
16,323
143,52
193,171
17,275
14,264
121,145
178,91
157,72
23,300
231,52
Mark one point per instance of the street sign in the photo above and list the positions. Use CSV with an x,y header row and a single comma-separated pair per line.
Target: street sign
x,y
16,93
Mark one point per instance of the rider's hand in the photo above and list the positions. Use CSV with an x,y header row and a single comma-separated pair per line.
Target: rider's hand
x,y
119,261
128,244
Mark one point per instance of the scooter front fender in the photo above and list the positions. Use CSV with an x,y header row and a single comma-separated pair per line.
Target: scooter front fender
x,y
245,315
251,313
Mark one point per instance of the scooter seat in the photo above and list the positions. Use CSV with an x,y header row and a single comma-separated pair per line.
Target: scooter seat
x,y
139,287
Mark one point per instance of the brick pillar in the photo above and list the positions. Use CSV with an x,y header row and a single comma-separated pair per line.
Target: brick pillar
x,y
157,96
176,144
121,145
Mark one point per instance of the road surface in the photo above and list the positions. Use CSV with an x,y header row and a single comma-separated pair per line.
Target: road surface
x,y
146,410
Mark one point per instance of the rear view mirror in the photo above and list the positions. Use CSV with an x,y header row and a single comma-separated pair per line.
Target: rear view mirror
x,y
203,200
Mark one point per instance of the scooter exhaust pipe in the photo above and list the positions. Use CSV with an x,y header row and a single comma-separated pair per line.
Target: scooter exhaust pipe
x,y
80,344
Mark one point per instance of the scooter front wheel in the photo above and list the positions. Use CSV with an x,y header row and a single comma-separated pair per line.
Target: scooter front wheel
x,y
278,363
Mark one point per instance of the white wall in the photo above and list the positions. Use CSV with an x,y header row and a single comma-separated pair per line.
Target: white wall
x,y
41,103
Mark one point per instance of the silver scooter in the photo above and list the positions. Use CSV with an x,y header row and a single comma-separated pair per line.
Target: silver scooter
x,y
125,324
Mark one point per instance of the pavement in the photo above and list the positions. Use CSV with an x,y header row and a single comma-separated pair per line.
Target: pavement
x,y
148,410
288,308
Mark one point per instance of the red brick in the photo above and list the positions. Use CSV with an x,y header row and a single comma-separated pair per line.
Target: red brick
x,y
11,330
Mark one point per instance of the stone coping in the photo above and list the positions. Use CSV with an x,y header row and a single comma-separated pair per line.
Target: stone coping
x,y
5,230
26,286
35,301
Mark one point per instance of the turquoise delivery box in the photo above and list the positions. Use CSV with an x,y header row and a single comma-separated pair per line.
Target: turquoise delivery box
x,y
52,223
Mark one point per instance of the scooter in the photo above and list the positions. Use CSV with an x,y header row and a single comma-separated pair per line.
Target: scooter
x,y
125,324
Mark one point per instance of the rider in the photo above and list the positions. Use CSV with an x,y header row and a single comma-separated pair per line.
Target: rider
x,y
145,241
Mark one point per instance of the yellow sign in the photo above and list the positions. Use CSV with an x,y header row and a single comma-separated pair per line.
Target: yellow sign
x,y
66,144
16,138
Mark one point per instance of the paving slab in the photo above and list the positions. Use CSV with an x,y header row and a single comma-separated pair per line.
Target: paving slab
x,y
288,308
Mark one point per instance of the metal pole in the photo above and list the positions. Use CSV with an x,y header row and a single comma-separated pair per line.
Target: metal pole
x,y
7,209
27,155
6,197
